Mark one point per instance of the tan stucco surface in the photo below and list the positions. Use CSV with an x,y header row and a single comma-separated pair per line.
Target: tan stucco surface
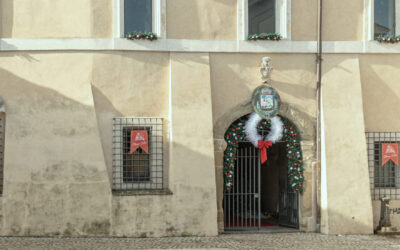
x,y
192,146
202,19
304,15
381,92
136,85
342,20
348,198
128,84
60,105
55,174
59,117
56,19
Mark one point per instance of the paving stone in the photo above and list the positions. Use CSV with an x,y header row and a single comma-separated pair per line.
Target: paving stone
x,y
224,241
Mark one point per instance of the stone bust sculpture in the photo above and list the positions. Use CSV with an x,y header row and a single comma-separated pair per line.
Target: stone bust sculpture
x,y
266,69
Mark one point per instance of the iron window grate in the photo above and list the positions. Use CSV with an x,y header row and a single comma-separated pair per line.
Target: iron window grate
x,y
137,170
384,180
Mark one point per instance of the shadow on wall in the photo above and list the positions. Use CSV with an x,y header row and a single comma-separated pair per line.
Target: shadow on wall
x,y
380,89
55,188
64,192
5,45
7,18
105,114
190,211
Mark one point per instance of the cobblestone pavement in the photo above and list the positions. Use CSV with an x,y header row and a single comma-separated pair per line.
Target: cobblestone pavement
x,y
226,241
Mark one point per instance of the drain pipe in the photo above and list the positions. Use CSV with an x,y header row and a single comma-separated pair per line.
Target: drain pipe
x,y
318,129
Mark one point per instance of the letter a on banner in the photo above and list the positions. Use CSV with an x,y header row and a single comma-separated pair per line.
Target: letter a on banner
x,y
139,139
390,151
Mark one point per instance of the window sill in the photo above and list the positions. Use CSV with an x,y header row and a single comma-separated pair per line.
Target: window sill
x,y
141,192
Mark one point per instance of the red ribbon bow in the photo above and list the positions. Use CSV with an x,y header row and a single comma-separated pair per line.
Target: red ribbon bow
x,y
263,146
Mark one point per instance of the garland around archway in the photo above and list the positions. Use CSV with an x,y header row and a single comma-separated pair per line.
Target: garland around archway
x,y
238,131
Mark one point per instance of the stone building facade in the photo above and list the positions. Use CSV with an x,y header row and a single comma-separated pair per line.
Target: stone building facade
x,y
68,78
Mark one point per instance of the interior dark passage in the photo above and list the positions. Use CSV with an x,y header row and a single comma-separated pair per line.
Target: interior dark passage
x,y
272,172
260,196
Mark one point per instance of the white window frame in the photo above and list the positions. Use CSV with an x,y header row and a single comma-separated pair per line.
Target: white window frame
x,y
369,19
158,18
282,19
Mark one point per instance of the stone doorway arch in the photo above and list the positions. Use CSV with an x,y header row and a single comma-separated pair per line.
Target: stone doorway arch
x,y
305,125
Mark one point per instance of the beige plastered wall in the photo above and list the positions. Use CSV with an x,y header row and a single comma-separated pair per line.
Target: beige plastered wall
x,y
304,20
346,207
202,19
194,19
342,20
60,105
234,77
56,19
381,94
58,156
55,176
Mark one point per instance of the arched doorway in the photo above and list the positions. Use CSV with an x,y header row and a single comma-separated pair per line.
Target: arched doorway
x,y
259,195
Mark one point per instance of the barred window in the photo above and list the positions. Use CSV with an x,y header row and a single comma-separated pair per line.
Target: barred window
x,y
133,167
384,179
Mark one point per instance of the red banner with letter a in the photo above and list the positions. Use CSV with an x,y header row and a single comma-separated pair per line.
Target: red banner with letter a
x,y
139,139
390,151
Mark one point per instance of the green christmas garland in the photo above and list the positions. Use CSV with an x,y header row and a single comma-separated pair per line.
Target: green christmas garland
x,y
388,39
141,36
235,134
264,36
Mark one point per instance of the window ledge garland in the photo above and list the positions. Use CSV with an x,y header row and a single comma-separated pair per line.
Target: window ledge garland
x,y
141,36
264,36
388,39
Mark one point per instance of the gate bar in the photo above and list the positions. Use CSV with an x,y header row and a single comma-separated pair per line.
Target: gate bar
x,y
245,189
259,190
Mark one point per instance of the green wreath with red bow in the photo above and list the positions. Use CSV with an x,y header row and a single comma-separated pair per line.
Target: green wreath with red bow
x,y
235,134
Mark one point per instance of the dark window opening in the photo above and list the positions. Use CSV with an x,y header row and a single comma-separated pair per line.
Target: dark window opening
x,y
136,166
138,15
385,176
261,16
384,17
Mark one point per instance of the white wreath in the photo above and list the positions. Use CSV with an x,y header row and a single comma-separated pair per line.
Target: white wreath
x,y
252,135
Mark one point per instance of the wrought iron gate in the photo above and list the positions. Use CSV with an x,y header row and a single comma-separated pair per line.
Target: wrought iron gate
x,y
288,201
242,205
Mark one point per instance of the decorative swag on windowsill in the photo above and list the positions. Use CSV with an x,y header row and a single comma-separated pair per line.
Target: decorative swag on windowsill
x,y
141,36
